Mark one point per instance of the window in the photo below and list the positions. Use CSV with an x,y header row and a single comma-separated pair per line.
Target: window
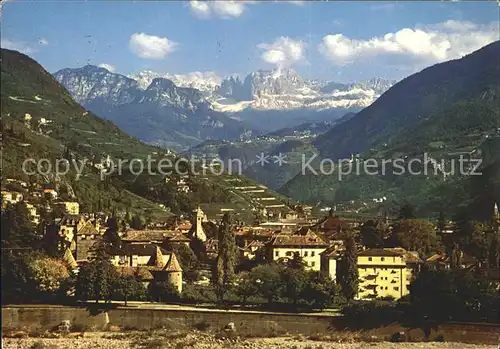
x,y
122,260
369,259
277,253
289,253
396,288
313,264
305,254
382,259
313,253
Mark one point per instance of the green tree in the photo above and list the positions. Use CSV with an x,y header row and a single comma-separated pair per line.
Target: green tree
x,y
349,278
319,292
245,287
444,295
226,258
267,279
293,284
415,235
128,288
441,223
111,236
17,285
137,223
371,235
478,242
96,279
407,211
296,262
162,291
48,274
17,228
188,261
494,252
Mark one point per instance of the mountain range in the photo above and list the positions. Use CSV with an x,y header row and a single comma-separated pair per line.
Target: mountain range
x,y
180,111
41,120
447,111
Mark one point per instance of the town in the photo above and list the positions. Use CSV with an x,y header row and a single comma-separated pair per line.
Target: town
x,y
297,260
245,174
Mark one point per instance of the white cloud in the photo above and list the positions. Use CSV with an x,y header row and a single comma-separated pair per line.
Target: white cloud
x,y
221,9
383,6
20,46
415,47
43,41
109,67
151,46
297,2
200,8
283,52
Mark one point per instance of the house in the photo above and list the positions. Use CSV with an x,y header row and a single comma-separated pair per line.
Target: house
x,y
51,193
184,227
334,227
141,273
177,239
442,260
66,207
252,249
308,246
69,225
35,217
329,260
135,255
385,273
11,197
148,236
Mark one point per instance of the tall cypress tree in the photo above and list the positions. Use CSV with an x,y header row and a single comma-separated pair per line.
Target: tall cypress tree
x,y
226,258
350,277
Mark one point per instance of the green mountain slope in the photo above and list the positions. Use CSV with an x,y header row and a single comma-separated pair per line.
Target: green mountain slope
x,y
59,128
413,99
467,127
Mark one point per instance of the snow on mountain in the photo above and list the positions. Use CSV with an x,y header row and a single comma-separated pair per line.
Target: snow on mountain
x,y
203,81
276,90
284,89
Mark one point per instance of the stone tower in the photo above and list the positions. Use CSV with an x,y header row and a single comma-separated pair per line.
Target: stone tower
x,y
201,217
174,272
156,259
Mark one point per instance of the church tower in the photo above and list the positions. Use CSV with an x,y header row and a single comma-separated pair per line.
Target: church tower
x,y
201,218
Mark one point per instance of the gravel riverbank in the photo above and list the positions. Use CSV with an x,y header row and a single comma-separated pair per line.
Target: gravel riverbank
x,y
210,341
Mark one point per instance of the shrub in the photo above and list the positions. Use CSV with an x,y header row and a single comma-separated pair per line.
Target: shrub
x,y
439,338
202,326
163,291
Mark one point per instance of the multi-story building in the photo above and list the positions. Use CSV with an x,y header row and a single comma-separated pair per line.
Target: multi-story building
x,y
67,207
33,212
385,273
308,246
11,197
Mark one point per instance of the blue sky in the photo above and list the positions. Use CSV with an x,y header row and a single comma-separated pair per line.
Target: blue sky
x,y
342,41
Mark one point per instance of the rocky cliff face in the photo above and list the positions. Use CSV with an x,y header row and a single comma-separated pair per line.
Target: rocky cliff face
x,y
162,113
91,83
284,89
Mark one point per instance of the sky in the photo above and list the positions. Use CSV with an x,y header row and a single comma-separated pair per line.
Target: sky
x,y
340,41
